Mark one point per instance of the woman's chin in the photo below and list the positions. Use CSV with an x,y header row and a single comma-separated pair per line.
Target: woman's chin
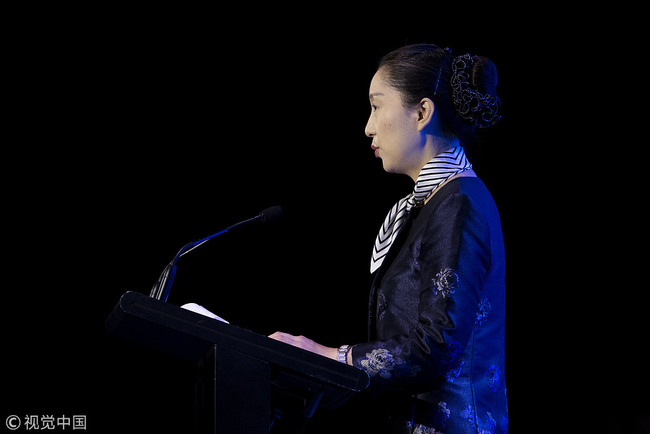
x,y
389,168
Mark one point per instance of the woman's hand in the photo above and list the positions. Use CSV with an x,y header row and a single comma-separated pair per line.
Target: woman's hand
x,y
306,344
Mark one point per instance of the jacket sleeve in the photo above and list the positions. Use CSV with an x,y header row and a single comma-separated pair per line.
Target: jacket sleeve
x,y
447,264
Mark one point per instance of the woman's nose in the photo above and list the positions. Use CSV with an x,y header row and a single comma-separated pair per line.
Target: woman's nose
x,y
370,128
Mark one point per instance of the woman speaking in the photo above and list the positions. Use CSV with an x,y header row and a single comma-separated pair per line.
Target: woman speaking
x,y
435,351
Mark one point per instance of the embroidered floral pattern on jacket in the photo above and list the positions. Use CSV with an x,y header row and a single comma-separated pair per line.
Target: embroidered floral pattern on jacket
x,y
445,282
484,308
445,413
469,416
386,364
487,425
493,375
380,361
421,429
454,373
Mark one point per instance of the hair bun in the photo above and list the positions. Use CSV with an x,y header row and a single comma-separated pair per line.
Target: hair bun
x,y
484,75
473,84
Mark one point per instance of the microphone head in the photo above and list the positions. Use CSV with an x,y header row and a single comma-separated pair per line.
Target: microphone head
x,y
270,214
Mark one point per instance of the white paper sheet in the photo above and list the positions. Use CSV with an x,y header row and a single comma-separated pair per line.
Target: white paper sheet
x,y
203,311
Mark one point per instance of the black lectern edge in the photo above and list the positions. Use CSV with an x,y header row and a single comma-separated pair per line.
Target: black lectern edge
x,y
189,335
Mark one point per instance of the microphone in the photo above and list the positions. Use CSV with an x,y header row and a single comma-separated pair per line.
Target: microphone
x,y
161,288
270,215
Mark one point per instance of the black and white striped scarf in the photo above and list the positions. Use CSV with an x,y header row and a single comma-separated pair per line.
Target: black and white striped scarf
x,y
439,169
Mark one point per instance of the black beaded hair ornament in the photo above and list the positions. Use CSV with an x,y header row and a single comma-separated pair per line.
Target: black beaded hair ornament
x,y
479,109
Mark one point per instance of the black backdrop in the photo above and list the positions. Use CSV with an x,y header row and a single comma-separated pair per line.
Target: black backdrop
x,y
139,132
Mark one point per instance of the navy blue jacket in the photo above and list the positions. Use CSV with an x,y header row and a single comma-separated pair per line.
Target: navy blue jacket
x,y
435,354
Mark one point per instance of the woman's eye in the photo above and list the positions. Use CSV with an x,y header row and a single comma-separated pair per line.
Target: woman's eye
x,y
374,107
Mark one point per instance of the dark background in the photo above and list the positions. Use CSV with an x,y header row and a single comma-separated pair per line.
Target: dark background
x,y
135,132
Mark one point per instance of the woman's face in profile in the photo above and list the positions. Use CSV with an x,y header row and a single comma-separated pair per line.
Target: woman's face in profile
x,y
393,128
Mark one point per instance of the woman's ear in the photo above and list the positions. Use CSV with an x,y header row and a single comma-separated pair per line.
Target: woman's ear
x,y
425,113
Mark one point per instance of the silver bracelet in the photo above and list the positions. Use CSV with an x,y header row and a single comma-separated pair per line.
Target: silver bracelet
x,y
343,353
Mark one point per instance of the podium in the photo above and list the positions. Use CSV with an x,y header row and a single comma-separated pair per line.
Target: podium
x,y
237,370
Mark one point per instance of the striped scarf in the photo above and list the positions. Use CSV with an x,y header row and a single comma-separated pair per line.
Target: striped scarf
x,y
439,169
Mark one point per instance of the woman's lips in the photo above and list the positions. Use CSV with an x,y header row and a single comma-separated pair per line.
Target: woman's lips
x,y
376,149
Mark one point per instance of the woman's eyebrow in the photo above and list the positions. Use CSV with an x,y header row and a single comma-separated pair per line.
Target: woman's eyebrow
x,y
374,94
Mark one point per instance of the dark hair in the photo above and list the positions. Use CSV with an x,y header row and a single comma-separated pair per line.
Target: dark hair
x,y
425,71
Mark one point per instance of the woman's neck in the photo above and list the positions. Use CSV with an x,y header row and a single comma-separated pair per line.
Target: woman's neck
x,y
433,146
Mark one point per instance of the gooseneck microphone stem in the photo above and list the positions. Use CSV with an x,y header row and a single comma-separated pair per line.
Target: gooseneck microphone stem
x,y
162,287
